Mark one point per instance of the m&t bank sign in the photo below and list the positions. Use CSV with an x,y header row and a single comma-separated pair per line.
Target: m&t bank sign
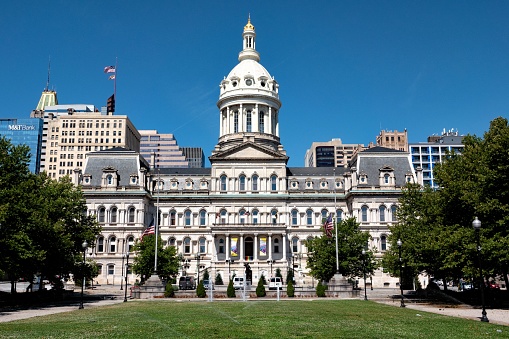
x,y
21,128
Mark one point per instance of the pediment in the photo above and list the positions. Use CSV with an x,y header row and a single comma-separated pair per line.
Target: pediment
x,y
248,151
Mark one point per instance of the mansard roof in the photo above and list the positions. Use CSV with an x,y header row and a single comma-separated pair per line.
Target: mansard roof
x,y
315,171
182,171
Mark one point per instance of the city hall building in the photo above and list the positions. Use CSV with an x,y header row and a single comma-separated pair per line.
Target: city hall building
x,y
248,207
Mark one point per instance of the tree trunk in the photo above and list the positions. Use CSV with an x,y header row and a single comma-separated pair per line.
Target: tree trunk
x,y
13,286
506,278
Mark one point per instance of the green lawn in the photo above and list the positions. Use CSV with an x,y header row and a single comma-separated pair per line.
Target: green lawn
x,y
253,319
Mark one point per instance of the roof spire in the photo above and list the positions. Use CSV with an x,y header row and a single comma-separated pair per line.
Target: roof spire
x,y
249,26
49,72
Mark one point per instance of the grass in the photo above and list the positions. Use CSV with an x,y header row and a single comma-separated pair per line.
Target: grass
x,y
253,319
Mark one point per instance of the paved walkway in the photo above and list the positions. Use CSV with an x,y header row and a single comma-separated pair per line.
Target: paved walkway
x,y
114,295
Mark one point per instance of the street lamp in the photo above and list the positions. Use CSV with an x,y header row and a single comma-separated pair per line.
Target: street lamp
x,y
84,245
197,256
229,261
364,271
476,224
271,261
400,273
121,280
126,274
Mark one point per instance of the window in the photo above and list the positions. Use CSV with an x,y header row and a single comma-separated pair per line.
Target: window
x,y
261,122
276,245
339,215
309,217
202,246
101,214
382,213
242,183
273,214
223,183
221,245
295,245
242,216
383,243
324,214
295,215
130,244
364,214
173,217
386,178
255,182
111,269
394,210
223,217
248,121
130,213
113,245
172,242
113,215
109,179
100,244
187,217
187,245
203,214
236,122
273,182
255,217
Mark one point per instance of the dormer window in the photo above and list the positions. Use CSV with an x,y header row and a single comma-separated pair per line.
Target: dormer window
x,y
387,176
309,184
189,184
204,184
110,177
363,178
87,179
174,184
323,184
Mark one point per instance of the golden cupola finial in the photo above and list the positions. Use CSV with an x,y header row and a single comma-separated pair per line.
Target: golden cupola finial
x,y
249,26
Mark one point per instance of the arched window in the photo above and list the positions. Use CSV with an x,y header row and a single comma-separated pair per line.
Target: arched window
x,y
100,244
325,214
381,210
255,217
261,122
295,245
236,122
113,215
223,216
223,182
295,218
221,245
130,244
242,183
242,216
101,214
248,122
386,178
254,182
273,215
109,179
339,215
309,217
173,218
276,245
273,182
113,245
383,243
394,210
131,213
172,242
187,245
364,213
203,215
202,246
187,217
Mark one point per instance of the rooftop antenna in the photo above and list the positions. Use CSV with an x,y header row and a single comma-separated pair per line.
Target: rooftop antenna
x,y
49,72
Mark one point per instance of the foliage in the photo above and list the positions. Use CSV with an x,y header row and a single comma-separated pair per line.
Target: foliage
x,y
200,290
206,275
263,279
167,259
260,289
320,289
169,292
322,252
289,275
278,273
230,290
290,290
219,279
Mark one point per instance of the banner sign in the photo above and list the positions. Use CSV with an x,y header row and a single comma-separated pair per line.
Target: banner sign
x,y
263,246
234,249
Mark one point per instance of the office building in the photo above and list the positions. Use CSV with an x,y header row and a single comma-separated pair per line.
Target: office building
x,y
331,153
393,139
161,150
194,156
25,132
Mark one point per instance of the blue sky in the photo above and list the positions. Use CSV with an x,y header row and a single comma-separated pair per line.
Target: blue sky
x,y
346,69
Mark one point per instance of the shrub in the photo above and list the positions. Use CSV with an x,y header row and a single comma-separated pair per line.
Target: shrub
x,y
230,291
260,289
206,275
290,290
219,280
168,291
320,290
278,274
263,279
200,290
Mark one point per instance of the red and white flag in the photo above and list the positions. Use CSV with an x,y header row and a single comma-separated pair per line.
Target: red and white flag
x,y
328,226
109,69
112,77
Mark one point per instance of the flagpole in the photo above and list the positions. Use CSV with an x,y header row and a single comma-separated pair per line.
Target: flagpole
x,y
157,223
115,80
335,221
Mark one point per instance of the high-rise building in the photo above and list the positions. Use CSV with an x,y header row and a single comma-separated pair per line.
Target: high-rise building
x,y
331,153
194,156
393,139
161,150
426,154
25,132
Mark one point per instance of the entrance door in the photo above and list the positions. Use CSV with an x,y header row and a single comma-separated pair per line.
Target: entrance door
x,y
248,249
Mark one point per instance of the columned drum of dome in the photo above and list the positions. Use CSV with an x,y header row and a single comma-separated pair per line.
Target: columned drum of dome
x,y
249,100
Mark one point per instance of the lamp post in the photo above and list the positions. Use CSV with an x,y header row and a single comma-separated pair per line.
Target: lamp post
x,y
84,245
126,274
271,261
229,261
476,224
197,256
364,271
400,273
121,280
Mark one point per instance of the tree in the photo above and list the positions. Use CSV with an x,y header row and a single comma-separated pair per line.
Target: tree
x,y
219,279
289,275
278,274
320,289
167,259
260,289
206,275
230,290
322,251
290,290
200,290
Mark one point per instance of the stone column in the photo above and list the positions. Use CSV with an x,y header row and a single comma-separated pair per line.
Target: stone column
x,y
269,249
284,246
269,121
255,247
227,246
241,247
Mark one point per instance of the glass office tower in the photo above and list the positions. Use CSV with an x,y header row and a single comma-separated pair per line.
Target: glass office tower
x,y
25,131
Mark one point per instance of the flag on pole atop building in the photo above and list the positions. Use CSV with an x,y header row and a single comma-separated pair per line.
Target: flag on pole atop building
x,y
112,77
328,226
109,69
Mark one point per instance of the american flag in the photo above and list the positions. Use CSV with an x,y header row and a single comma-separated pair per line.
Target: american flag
x,y
109,69
112,77
247,213
151,229
328,227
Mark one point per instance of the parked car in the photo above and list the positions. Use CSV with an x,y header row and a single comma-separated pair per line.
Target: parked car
x,y
208,284
492,285
467,286
275,282
238,283
187,283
